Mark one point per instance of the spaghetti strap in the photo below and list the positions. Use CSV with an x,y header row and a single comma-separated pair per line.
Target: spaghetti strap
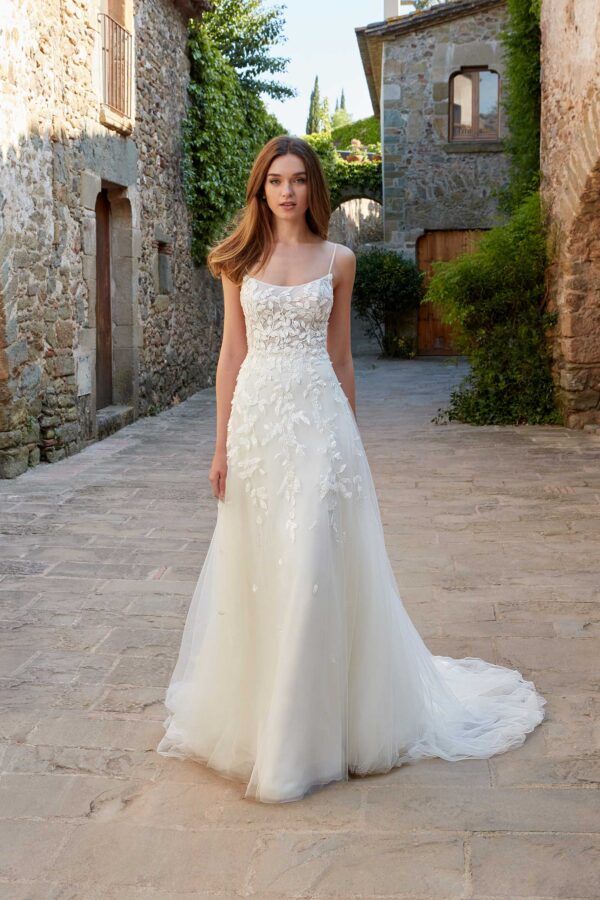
x,y
332,255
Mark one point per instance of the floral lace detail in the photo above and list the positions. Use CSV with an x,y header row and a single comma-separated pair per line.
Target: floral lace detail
x,y
280,389
287,319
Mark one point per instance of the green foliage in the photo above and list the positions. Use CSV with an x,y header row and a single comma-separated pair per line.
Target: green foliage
x,y
387,287
495,295
522,103
364,176
244,33
319,118
340,118
342,175
313,121
401,346
225,127
366,130
325,115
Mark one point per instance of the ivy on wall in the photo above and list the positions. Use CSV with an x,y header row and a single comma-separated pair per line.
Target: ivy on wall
x,y
225,127
361,179
521,41
368,131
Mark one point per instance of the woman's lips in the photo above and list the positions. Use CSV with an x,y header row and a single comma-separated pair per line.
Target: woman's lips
x,y
287,205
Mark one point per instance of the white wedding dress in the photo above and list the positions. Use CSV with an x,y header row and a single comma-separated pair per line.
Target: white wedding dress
x,y
298,662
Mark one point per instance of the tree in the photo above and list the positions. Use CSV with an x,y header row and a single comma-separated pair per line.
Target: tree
x,y
325,123
314,109
244,34
339,118
228,50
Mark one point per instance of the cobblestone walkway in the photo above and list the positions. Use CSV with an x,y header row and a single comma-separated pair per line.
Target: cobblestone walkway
x,y
494,537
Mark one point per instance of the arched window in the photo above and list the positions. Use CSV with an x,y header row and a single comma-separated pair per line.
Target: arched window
x,y
474,105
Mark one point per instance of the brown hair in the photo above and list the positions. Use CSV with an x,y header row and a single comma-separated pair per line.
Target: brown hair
x,y
252,239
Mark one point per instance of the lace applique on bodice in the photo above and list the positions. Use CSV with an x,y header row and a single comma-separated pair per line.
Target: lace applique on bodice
x,y
288,401
287,319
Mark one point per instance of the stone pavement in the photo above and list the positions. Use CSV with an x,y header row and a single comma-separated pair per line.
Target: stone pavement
x,y
493,534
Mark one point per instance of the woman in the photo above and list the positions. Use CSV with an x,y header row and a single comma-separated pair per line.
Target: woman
x,y
298,663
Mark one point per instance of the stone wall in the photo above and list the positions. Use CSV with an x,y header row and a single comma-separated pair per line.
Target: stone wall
x,y
55,157
429,182
571,189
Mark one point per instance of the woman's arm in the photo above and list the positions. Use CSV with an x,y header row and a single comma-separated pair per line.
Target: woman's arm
x,y
232,353
338,331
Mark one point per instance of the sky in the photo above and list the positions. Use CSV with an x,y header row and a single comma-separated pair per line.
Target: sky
x,y
321,41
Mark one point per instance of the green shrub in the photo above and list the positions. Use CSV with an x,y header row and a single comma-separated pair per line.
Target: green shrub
x,y
364,176
495,295
387,290
368,131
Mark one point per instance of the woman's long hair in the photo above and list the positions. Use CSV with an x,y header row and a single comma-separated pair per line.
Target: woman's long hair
x,y
252,239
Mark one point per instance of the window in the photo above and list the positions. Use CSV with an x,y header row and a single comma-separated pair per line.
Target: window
x,y
164,276
117,64
474,105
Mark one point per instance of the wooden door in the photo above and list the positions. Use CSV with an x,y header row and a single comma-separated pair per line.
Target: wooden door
x,y
103,304
434,338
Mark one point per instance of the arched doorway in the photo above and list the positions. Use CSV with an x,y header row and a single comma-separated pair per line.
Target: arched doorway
x,y
117,338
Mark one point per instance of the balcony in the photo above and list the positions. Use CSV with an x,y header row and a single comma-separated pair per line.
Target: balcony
x,y
117,75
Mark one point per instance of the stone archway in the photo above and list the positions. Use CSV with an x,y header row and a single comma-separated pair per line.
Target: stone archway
x,y
357,219
357,191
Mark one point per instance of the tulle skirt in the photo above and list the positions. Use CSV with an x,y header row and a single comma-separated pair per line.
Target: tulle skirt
x,y
298,663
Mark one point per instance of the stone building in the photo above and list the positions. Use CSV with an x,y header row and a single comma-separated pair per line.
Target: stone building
x,y
103,315
571,188
435,79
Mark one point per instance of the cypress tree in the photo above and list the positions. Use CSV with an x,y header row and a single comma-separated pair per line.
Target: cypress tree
x,y
314,109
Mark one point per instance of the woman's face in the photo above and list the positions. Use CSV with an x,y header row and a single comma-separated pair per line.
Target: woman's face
x,y
286,186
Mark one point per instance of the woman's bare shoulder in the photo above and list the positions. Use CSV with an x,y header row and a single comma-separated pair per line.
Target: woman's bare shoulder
x,y
345,259
341,251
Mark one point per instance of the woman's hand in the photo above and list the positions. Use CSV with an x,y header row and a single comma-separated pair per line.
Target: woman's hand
x,y
218,474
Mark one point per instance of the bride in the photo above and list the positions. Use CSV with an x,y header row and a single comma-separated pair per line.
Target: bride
x,y
298,663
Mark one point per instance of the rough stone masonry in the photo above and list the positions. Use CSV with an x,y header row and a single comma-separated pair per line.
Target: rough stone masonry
x,y
571,189
62,145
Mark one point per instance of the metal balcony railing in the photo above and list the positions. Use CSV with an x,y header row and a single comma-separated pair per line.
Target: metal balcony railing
x,y
117,75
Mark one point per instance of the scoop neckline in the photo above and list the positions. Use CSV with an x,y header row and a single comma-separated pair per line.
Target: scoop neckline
x,y
287,286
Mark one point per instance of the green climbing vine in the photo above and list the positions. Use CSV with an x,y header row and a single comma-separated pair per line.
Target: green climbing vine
x,y
226,124
362,176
